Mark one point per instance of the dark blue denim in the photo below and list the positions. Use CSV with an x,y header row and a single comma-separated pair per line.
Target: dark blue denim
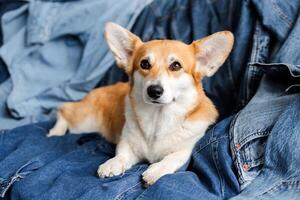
x,y
33,166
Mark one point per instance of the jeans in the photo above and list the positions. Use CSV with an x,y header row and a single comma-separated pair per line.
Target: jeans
x,y
33,166
280,175
36,167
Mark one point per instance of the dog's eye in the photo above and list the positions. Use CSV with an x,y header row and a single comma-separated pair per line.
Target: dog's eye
x,y
145,64
175,66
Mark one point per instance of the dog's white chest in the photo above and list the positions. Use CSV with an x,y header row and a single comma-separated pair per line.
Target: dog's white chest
x,y
157,132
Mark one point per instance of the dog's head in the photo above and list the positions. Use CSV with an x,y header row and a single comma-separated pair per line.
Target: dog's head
x,y
164,71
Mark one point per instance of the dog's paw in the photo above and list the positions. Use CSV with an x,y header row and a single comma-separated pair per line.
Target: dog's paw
x,y
56,132
112,167
154,172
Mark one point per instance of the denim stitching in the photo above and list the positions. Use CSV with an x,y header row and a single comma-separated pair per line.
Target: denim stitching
x,y
235,156
281,14
253,58
291,86
15,178
259,133
198,149
278,186
121,195
276,64
142,195
215,159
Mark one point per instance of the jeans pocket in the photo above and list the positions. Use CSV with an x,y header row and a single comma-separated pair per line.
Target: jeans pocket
x,y
250,157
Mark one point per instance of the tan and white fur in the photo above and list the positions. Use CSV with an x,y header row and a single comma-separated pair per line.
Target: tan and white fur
x,y
162,125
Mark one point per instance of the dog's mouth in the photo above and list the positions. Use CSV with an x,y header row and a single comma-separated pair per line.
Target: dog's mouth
x,y
156,102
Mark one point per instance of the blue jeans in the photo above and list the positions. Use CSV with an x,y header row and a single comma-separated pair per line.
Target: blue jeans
x,y
36,167
280,175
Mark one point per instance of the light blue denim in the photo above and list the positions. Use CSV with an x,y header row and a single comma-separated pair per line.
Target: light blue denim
x,y
279,178
56,52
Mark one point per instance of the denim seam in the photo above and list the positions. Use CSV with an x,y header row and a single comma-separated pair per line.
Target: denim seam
x,y
231,135
277,186
15,178
281,14
235,155
271,64
253,163
259,133
217,164
291,86
142,195
121,195
197,150
253,58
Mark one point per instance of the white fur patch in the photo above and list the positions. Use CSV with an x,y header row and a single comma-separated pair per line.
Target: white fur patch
x,y
175,89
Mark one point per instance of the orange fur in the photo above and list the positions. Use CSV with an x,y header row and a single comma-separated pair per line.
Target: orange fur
x,y
105,104
204,109
163,48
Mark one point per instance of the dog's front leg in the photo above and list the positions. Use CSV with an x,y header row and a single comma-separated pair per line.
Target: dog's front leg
x,y
167,165
123,160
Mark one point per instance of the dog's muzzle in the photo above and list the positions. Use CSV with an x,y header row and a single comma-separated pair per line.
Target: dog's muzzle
x,y
155,91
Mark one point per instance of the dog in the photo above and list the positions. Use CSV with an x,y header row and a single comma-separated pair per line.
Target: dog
x,y
161,112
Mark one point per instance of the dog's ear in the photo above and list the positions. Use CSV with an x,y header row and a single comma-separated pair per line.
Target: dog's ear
x,y
122,43
212,51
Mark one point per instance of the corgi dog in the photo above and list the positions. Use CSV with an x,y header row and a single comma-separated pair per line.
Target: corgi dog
x,y
161,112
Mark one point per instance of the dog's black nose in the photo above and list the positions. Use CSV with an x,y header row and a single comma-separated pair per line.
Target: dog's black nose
x,y
155,91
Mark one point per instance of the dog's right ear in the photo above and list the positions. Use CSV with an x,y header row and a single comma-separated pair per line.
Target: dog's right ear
x,y
122,43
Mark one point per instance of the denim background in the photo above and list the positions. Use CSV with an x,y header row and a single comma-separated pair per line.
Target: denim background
x,y
251,153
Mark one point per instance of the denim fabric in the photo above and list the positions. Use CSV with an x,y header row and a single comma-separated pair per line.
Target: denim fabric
x,y
55,51
253,125
254,151
5,6
33,166
280,175
276,59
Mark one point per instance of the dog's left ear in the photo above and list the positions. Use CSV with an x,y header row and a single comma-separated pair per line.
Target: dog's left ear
x,y
212,51
122,43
